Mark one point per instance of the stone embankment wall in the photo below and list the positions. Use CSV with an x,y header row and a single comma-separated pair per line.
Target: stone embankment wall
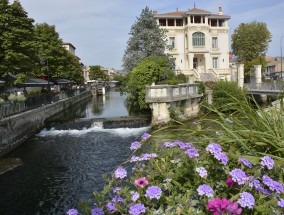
x,y
15,129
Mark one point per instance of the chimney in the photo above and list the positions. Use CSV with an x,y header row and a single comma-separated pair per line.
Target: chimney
x,y
177,9
220,11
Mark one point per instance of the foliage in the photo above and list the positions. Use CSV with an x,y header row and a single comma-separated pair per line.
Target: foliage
x,y
176,177
54,58
250,41
14,98
146,39
96,72
222,96
17,45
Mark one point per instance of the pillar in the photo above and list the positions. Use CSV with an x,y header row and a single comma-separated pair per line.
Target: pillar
x,y
257,74
241,75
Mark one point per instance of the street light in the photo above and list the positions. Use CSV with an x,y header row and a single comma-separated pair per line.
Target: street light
x,y
42,62
281,54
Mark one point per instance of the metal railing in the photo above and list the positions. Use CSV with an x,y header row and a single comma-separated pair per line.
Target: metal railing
x,y
170,93
265,87
13,107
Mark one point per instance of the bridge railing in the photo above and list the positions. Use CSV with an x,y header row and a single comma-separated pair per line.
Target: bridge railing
x,y
265,86
170,93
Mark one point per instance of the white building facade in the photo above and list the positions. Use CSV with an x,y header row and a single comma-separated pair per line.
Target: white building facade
x,y
198,42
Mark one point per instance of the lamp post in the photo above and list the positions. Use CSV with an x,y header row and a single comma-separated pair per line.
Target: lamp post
x,y
281,54
42,61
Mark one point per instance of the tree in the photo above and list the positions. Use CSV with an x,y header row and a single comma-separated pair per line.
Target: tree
x,y
249,42
146,39
17,41
96,72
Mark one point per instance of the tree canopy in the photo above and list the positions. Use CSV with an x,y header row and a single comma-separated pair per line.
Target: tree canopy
x,y
250,41
96,72
146,39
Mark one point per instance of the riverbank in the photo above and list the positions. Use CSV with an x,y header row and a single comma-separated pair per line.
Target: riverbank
x,y
17,128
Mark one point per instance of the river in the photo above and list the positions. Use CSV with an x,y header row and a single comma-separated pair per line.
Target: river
x,y
61,167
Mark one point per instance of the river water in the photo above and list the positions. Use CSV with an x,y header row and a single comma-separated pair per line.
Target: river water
x,y
62,167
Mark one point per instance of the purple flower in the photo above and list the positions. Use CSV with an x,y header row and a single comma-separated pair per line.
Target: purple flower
x,y
192,152
117,199
245,162
116,189
111,207
184,146
273,185
280,203
169,144
135,145
246,200
153,192
221,157
72,212
120,173
137,209
214,148
239,176
97,211
134,196
201,171
257,185
267,161
206,190
134,159
145,136
196,123
229,120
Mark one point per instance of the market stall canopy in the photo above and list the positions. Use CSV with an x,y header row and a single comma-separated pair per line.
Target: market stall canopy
x,y
62,81
2,83
36,82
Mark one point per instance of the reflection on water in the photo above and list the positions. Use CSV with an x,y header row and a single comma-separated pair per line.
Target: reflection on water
x,y
61,167
110,105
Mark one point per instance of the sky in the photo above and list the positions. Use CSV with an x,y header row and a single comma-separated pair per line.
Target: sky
x,y
100,29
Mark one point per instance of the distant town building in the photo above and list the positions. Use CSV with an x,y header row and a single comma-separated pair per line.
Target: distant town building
x,y
198,42
70,48
273,67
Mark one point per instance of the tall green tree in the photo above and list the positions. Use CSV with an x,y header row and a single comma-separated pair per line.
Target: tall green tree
x,y
17,41
146,39
4,4
250,41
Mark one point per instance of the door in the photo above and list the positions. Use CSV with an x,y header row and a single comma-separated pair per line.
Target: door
x,y
195,63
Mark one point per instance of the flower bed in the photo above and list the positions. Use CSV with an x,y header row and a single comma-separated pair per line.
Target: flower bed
x,y
185,178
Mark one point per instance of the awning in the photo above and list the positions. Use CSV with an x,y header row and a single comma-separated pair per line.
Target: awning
x,y
62,82
2,83
36,82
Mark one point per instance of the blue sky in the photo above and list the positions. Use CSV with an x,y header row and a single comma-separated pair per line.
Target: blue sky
x,y
100,29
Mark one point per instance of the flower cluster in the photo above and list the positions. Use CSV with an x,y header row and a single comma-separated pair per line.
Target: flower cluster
x,y
135,145
153,192
245,162
206,190
216,150
267,161
137,209
72,212
201,171
220,206
239,176
143,157
246,200
120,173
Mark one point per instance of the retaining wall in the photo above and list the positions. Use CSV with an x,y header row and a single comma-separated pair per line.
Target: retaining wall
x,y
15,129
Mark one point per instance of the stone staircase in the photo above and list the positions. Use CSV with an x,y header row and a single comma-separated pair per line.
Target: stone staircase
x,y
207,77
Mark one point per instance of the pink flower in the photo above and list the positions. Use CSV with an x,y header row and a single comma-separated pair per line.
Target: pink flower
x,y
217,206
141,182
233,208
231,183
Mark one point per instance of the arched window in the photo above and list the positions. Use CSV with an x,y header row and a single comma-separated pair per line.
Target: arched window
x,y
198,39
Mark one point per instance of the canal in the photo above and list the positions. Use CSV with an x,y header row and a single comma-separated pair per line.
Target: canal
x,y
61,167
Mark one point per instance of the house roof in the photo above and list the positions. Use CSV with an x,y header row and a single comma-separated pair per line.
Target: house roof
x,y
193,11
62,81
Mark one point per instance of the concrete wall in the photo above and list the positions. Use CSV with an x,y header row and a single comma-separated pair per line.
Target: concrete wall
x,y
15,129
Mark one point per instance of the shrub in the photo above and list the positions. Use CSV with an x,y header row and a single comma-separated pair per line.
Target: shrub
x,y
226,95
12,98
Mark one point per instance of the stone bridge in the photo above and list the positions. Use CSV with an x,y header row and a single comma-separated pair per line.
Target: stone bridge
x,y
182,98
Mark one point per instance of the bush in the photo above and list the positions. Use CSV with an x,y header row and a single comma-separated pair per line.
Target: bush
x,y
227,95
